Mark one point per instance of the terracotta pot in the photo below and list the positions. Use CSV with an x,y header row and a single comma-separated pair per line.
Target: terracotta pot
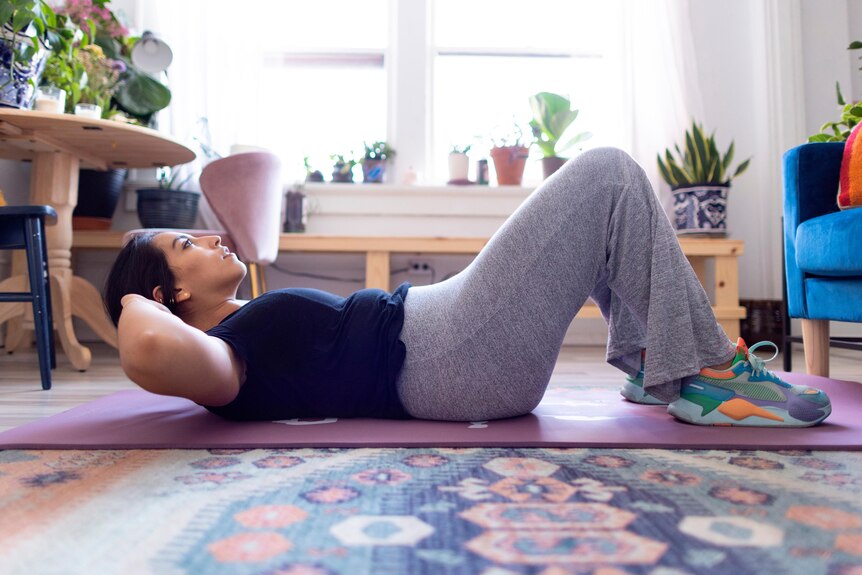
x,y
509,164
551,165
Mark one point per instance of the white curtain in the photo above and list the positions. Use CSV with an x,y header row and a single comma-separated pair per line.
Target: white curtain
x,y
213,75
664,94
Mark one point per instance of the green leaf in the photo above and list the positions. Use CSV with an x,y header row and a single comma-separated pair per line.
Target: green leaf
x,y
21,19
818,138
856,111
680,175
6,10
142,95
725,164
692,160
702,149
742,167
855,45
712,173
665,172
841,101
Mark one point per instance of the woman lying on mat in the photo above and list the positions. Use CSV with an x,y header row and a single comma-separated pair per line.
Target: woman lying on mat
x,y
478,346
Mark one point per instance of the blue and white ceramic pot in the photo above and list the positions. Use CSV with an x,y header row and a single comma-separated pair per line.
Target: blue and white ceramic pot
x,y
18,83
700,210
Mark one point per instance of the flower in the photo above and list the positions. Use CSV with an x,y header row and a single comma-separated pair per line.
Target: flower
x,y
111,79
102,78
83,11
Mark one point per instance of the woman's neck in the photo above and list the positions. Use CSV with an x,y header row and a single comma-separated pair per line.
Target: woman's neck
x,y
207,317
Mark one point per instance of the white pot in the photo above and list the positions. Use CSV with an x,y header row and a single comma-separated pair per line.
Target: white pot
x,y
459,166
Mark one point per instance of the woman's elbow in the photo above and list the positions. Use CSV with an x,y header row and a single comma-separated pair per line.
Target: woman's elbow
x,y
140,357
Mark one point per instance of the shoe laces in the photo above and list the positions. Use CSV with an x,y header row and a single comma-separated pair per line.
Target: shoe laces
x,y
758,365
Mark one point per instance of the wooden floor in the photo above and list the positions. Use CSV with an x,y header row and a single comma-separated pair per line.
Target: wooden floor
x,y
22,399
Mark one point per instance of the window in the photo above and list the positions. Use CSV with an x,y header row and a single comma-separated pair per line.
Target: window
x,y
421,74
491,55
325,71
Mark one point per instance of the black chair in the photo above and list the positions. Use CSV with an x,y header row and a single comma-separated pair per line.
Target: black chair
x,y
23,228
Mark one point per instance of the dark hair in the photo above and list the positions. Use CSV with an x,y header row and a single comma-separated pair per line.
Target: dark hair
x,y
139,268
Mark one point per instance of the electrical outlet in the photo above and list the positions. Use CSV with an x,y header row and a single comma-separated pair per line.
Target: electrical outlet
x,y
419,267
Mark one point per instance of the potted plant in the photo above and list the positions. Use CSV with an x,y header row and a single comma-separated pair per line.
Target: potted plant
x,y
459,165
95,67
699,182
137,95
552,116
28,34
342,167
851,114
377,154
311,175
510,157
168,205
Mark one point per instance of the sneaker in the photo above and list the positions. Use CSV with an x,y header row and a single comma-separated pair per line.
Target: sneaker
x,y
748,394
633,388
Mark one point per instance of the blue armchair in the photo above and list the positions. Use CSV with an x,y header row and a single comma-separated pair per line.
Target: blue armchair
x,y
822,250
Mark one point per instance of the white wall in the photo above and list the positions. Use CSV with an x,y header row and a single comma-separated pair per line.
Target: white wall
x,y
854,23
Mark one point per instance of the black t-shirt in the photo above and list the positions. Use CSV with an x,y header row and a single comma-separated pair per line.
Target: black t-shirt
x,y
309,353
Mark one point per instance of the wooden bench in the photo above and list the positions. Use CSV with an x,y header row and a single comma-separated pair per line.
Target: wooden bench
x,y
377,250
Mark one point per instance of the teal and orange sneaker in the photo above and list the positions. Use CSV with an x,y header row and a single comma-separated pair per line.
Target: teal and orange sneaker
x,y
748,394
633,388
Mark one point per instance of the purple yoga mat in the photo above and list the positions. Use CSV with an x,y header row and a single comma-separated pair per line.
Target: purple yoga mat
x,y
569,416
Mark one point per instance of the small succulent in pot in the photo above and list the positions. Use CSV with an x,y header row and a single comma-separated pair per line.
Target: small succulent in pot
x,y
377,155
342,167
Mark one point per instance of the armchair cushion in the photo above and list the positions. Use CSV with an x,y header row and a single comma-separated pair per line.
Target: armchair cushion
x,y
831,245
850,191
835,299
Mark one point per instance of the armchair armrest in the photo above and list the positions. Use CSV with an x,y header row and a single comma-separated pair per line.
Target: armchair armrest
x,y
811,174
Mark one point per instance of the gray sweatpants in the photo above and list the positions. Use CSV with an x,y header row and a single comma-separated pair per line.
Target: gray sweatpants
x,y
482,344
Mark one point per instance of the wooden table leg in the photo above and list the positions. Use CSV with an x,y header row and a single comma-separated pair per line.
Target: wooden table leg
x,y
698,264
54,181
377,270
10,311
727,291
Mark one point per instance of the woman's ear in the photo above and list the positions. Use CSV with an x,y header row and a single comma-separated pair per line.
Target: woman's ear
x,y
158,295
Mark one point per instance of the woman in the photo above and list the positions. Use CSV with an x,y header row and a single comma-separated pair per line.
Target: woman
x,y
478,346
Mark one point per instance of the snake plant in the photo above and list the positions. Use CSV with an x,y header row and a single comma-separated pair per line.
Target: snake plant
x,y
700,164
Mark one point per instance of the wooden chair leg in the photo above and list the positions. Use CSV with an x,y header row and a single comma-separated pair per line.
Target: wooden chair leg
x,y
815,340
255,279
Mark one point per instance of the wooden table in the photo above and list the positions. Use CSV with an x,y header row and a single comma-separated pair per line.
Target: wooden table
x,y
58,145
378,249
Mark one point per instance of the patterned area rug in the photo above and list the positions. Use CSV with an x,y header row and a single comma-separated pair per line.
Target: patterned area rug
x,y
403,511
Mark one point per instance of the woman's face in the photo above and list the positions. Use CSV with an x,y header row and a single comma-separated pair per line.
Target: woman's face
x,y
200,264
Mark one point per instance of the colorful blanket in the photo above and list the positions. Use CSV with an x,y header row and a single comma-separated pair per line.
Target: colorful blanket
x,y
394,510
850,188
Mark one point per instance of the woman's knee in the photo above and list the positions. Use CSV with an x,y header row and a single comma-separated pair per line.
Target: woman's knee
x,y
604,160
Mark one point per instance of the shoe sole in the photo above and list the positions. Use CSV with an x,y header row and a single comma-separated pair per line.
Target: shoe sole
x,y
636,394
691,412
